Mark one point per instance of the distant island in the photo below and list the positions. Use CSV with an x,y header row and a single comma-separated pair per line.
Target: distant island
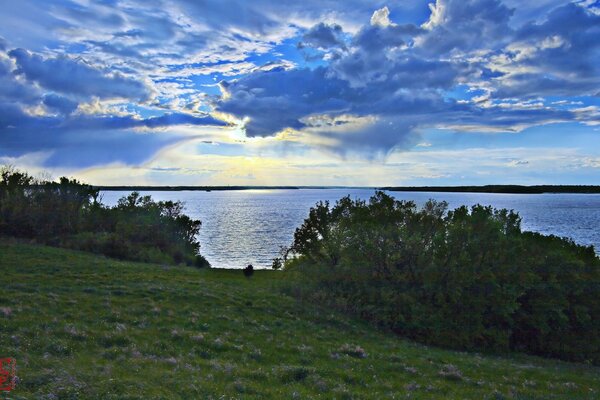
x,y
535,189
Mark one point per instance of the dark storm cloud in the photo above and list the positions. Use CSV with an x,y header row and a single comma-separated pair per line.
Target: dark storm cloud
x,y
93,122
280,99
562,53
73,76
277,99
13,91
371,78
29,82
12,117
101,148
374,140
60,104
84,141
368,79
323,36
72,148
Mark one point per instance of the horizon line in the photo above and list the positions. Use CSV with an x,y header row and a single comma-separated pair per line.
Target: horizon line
x,y
493,188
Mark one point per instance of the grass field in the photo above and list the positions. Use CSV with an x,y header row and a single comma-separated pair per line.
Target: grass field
x,y
84,326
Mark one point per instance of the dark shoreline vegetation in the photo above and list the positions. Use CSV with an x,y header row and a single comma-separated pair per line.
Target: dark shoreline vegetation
x,y
467,278
69,214
509,189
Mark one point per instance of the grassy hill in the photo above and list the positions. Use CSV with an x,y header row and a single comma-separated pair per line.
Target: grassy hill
x,y
84,326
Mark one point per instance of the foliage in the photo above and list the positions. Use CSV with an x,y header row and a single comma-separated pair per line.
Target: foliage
x,y
277,263
466,278
67,213
249,271
86,327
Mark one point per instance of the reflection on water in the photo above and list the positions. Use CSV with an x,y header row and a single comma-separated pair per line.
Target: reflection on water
x,y
249,226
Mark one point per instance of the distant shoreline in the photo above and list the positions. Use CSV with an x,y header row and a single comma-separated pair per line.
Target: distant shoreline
x,y
193,188
507,189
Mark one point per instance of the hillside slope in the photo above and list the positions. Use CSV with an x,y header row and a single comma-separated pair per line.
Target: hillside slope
x,y
85,326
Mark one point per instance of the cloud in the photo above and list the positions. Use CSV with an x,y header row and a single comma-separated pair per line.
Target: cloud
x,y
85,122
365,137
313,101
323,36
375,75
82,140
101,148
90,15
517,163
40,112
398,77
89,141
381,18
13,90
465,25
73,76
369,79
277,99
60,104
13,118
557,57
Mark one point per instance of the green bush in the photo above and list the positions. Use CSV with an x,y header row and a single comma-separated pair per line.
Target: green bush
x,y
67,213
466,278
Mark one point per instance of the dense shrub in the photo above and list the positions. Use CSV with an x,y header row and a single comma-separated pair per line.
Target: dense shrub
x,y
32,208
467,278
67,213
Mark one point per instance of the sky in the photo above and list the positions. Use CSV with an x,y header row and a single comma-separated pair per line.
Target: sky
x,y
312,92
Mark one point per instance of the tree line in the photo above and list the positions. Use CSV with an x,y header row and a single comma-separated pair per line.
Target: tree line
x,y
512,189
68,213
468,278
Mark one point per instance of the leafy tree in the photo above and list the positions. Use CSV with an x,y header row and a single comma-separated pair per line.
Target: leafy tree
x,y
67,213
467,278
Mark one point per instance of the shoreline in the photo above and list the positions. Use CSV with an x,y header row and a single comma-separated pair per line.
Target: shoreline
x,y
499,189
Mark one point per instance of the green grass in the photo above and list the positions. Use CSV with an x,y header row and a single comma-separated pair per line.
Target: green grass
x,y
84,326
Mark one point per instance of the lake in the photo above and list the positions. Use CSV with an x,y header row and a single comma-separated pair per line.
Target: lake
x,y
244,227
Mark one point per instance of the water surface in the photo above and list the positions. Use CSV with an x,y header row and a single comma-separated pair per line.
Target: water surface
x,y
244,227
